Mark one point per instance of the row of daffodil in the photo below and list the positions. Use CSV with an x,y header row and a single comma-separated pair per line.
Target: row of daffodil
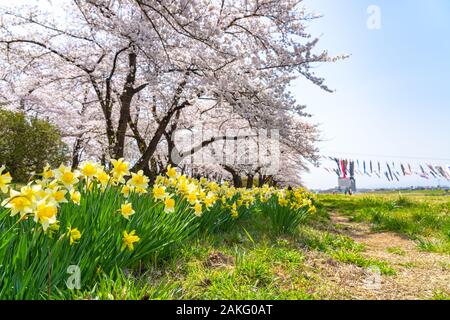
x,y
42,197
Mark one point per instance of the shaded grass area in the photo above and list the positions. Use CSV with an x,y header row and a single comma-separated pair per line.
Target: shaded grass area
x,y
424,218
249,261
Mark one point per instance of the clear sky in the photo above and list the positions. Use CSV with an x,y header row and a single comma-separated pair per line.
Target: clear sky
x,y
392,95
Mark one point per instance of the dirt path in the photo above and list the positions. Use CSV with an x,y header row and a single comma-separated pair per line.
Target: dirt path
x,y
420,275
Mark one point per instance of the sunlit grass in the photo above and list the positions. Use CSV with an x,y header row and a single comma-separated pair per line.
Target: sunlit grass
x,y
424,218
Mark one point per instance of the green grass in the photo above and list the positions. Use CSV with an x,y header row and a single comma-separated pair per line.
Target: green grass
x,y
396,250
251,260
342,248
361,261
441,295
229,265
422,217
409,265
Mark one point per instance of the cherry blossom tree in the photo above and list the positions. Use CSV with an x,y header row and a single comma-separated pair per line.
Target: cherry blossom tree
x,y
120,77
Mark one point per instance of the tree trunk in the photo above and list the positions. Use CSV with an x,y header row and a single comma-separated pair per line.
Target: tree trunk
x,y
76,153
103,160
125,104
250,181
162,126
237,181
151,147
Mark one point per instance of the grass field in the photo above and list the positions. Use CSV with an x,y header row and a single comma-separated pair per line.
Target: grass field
x,y
184,238
422,216
319,261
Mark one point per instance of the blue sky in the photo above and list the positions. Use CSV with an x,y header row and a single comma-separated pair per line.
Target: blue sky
x,y
392,95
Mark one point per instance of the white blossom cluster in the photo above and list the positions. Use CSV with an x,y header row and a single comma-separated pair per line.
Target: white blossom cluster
x,y
120,77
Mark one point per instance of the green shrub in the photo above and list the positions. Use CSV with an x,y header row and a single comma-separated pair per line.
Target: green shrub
x,y
27,145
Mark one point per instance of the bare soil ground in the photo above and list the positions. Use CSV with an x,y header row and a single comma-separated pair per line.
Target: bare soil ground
x,y
419,275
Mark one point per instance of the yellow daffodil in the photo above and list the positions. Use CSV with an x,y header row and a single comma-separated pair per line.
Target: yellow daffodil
x,y
75,196
282,202
32,192
44,187
202,195
173,182
47,173
198,209
74,235
66,176
5,180
182,186
102,177
88,169
43,197
312,209
210,200
45,213
120,167
159,192
140,190
56,195
169,205
129,239
192,197
159,180
234,212
54,227
138,180
306,202
125,191
18,204
230,193
126,210
213,186
171,172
